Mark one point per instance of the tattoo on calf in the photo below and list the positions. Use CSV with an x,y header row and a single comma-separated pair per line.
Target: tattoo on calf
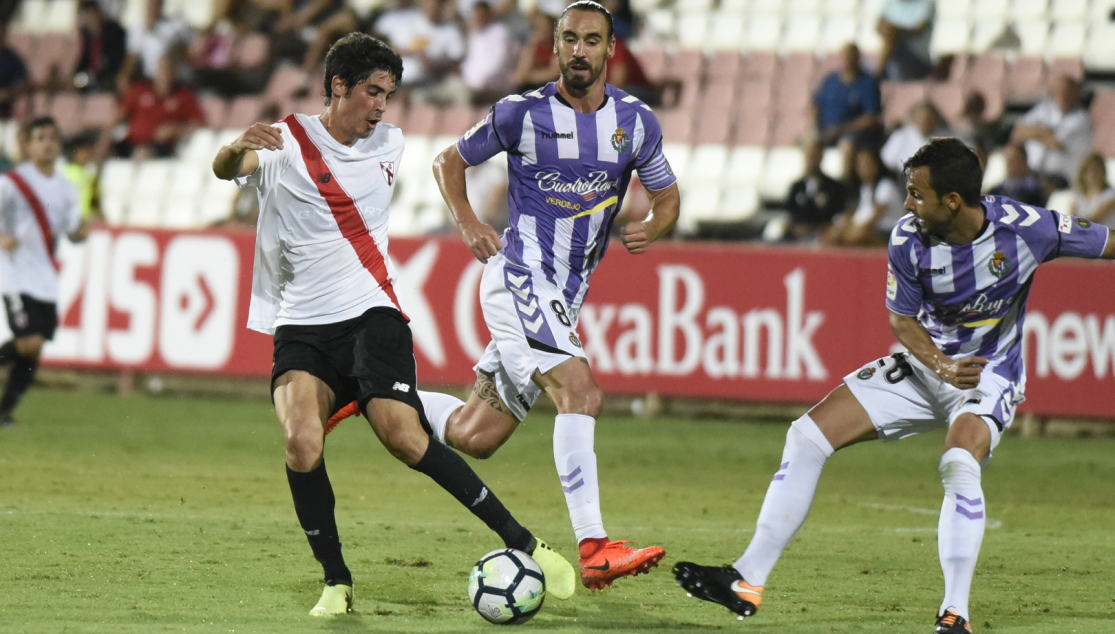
x,y
485,388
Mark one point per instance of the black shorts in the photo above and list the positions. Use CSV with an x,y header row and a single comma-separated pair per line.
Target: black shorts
x,y
370,356
28,316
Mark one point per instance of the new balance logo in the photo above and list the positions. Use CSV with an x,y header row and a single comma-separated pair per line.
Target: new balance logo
x,y
324,178
401,387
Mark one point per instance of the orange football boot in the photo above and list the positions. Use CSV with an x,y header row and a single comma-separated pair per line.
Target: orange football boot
x,y
352,409
602,561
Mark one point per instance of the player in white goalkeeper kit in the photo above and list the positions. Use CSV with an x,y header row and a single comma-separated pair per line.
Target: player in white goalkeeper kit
x,y
323,284
960,272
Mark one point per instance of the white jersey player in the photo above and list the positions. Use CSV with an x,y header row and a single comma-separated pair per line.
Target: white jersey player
x,y
961,267
324,286
38,205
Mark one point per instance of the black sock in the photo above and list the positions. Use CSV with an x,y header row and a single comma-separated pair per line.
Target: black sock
x,y
8,352
20,379
454,475
314,503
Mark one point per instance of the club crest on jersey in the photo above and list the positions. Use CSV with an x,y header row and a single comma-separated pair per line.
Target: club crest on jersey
x,y
621,142
388,169
574,340
999,264
865,374
1084,224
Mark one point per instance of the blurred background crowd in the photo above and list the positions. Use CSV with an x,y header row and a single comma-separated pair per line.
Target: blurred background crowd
x,y
786,120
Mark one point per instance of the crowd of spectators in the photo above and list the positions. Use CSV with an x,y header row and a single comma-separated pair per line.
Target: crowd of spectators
x,y
471,52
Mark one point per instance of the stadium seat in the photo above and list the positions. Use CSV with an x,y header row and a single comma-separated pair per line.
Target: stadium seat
x,y
217,200
693,7
838,31
199,148
737,7
1062,200
832,162
725,32
995,172
149,192
738,203
1100,11
797,68
181,213
840,8
1023,10
867,37
1066,39
766,8
686,64
707,164
986,33
99,111
1110,163
1068,10
133,15
61,17
790,128
1033,35
187,178
61,50
803,33
1099,54
677,126
699,202
803,7
724,67
949,100
243,111
691,29
990,10
1071,66
66,108
422,119
1026,80
197,14
744,166
456,120
660,23
783,166
1103,107
952,10
24,43
677,154
764,33
899,99
654,60
987,72
1103,141
216,111
9,139
32,16
951,37
284,81
753,127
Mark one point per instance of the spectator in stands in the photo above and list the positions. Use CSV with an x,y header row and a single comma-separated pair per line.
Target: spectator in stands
x,y
847,108
293,24
102,43
159,114
147,45
1095,199
489,57
977,132
815,200
925,122
538,63
1022,183
1057,133
429,41
13,75
879,208
81,170
906,27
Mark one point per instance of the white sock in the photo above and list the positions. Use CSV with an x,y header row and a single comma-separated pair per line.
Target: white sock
x,y
438,407
787,501
960,531
576,465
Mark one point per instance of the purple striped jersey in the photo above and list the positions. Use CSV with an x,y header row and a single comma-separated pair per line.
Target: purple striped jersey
x,y
971,298
568,173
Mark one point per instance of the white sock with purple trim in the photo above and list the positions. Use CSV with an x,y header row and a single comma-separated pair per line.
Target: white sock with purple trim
x,y
576,465
788,499
960,530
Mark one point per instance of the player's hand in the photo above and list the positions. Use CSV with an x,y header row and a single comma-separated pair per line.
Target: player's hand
x,y
8,243
963,373
481,239
259,137
634,237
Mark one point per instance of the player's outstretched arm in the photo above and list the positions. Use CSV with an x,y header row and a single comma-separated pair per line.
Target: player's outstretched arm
x,y
962,373
665,207
239,158
449,171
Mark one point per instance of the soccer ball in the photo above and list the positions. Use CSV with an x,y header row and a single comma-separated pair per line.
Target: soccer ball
x,y
507,586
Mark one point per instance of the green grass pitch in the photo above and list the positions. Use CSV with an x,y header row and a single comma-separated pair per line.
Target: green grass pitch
x,y
149,515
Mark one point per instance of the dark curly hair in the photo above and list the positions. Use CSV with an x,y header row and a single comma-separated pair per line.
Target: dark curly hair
x,y
355,57
953,167
589,5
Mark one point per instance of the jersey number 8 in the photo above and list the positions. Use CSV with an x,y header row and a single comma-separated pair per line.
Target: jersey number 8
x,y
559,311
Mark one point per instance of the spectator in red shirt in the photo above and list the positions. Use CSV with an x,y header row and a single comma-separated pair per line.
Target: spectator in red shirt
x,y
626,73
159,113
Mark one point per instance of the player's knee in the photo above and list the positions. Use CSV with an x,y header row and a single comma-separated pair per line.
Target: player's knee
x,y
586,399
30,347
304,444
476,444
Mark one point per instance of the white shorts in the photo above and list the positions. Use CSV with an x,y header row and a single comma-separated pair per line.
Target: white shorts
x,y
905,398
532,330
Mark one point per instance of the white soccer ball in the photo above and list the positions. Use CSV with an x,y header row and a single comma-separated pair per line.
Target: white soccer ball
x,y
507,586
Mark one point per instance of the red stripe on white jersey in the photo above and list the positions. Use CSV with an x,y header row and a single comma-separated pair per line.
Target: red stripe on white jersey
x,y
345,211
40,214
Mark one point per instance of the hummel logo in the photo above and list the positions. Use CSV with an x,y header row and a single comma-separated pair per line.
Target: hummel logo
x,y
401,387
324,178
606,567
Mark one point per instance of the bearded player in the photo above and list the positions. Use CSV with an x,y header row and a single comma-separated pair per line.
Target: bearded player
x,y
323,283
960,273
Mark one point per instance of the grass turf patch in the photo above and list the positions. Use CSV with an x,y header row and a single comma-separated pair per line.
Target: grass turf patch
x,y
167,514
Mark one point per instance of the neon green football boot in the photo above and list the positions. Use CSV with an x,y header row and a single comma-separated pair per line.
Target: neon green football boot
x,y
335,600
560,577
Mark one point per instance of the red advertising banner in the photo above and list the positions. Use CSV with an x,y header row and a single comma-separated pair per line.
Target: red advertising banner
x,y
722,321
